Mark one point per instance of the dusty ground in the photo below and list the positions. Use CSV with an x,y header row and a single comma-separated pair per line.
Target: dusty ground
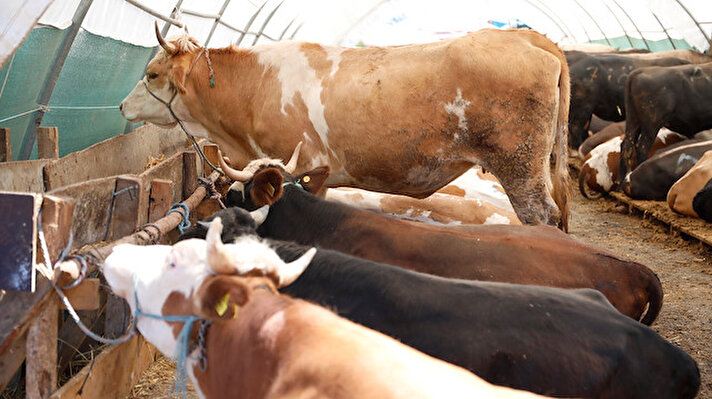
x,y
684,267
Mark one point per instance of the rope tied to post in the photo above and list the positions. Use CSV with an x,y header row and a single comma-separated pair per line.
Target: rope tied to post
x,y
184,211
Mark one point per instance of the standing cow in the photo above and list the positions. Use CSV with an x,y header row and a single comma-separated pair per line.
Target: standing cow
x,y
402,120
598,86
679,98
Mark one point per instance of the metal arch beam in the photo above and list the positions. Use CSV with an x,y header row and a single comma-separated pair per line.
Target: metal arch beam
x,y
594,22
348,30
284,32
567,32
28,141
295,31
264,25
704,34
672,43
645,41
217,21
620,24
585,31
249,23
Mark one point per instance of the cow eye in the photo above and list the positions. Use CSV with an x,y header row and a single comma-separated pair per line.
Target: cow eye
x,y
151,75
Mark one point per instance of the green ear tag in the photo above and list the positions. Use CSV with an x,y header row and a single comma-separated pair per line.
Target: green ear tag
x,y
212,81
221,306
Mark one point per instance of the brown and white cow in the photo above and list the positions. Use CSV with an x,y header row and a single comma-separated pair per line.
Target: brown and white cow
x,y
684,190
600,171
265,345
472,198
402,120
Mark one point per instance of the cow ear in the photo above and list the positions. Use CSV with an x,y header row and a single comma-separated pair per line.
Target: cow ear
x,y
314,180
178,78
220,297
267,187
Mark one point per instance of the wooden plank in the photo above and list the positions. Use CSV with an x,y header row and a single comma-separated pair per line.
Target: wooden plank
x,y
24,176
92,200
41,375
112,374
124,154
11,360
85,296
5,145
47,142
160,200
124,214
57,214
693,227
190,173
211,152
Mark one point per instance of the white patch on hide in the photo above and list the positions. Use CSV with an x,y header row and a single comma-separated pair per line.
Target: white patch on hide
x,y
272,327
486,190
296,76
496,218
599,161
333,54
457,108
255,147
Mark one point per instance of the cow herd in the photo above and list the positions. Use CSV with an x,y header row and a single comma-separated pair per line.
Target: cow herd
x,y
306,291
661,104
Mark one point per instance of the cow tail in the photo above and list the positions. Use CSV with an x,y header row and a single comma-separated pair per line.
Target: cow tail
x,y
583,186
561,192
655,299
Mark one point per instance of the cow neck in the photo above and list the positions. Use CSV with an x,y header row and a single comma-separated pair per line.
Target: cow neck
x,y
302,217
240,353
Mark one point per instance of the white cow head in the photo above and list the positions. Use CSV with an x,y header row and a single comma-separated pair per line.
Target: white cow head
x,y
194,277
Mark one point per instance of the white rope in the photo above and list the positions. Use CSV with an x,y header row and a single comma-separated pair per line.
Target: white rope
x,y
9,69
96,107
39,108
45,108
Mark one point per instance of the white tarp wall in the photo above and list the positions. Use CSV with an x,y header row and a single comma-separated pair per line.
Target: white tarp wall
x,y
16,20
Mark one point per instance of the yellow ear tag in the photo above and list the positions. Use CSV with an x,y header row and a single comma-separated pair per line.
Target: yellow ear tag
x,y
221,307
306,179
271,190
234,310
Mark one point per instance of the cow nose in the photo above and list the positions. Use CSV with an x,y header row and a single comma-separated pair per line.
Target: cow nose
x,y
121,106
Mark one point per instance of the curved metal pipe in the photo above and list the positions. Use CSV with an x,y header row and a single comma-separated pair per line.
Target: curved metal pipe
x,y
621,25
594,22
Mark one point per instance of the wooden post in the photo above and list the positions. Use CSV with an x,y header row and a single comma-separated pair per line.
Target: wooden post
x,y
190,173
125,209
47,143
57,213
41,378
11,360
159,201
211,152
5,147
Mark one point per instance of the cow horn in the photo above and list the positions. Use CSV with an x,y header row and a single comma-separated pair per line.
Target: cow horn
x,y
291,271
218,257
292,164
234,174
170,49
260,215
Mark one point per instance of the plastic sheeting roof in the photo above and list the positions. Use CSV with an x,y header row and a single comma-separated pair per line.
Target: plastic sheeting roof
x,y
396,21
74,74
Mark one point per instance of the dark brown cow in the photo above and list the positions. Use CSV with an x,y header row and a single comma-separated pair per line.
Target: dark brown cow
x,y
516,254
679,98
598,86
652,179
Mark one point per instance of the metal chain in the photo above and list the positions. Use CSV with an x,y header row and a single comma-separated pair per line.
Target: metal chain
x,y
203,354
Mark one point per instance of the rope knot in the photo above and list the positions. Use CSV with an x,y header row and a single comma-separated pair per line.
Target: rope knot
x,y
184,211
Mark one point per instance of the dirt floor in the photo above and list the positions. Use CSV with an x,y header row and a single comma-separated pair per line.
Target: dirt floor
x,y
683,265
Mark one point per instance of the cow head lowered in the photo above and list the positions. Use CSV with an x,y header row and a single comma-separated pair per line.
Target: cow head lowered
x,y
164,83
195,278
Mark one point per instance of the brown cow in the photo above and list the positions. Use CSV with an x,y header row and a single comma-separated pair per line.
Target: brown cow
x,y
684,190
264,345
688,55
402,120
